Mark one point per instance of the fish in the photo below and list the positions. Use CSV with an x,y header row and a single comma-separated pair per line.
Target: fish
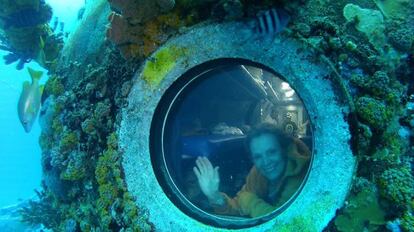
x,y
41,56
29,101
271,21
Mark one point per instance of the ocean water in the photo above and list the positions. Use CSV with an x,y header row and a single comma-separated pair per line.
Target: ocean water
x,y
20,167
20,170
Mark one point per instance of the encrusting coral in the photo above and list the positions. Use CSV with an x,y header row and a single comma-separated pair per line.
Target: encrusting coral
x,y
84,186
397,185
368,21
135,28
26,35
362,212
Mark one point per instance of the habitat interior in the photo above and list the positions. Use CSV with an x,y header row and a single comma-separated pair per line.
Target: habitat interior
x,y
211,117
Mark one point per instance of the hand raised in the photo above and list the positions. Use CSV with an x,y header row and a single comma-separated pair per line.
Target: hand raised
x,y
208,177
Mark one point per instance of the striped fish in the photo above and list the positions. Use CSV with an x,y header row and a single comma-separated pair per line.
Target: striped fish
x,y
271,21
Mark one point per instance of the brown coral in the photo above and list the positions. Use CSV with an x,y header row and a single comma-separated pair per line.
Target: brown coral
x,y
136,29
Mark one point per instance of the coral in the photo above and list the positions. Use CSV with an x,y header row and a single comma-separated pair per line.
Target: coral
x,y
401,35
102,109
361,213
140,11
228,10
364,138
29,39
380,85
368,21
68,142
164,60
396,185
373,112
119,31
407,222
37,211
81,159
395,9
75,169
54,86
88,126
139,29
142,39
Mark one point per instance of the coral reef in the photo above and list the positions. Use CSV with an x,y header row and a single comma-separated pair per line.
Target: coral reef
x,y
375,73
407,222
370,22
36,211
397,9
362,212
397,186
25,33
373,112
83,178
137,29
84,188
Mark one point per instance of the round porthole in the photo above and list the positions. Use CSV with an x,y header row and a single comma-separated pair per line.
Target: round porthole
x,y
201,95
231,142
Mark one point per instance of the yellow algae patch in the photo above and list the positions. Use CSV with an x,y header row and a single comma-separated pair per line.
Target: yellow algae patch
x,y
158,66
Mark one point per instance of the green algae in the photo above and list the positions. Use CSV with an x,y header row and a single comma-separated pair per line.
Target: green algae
x,y
163,62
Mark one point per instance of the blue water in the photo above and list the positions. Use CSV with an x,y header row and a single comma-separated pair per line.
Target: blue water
x,y
20,154
20,169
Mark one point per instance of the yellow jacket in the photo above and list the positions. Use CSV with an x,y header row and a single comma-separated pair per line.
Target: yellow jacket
x,y
250,200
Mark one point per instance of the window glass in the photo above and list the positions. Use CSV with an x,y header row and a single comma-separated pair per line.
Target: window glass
x,y
228,116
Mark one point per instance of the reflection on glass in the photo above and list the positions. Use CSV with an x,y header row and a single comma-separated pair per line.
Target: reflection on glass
x,y
237,142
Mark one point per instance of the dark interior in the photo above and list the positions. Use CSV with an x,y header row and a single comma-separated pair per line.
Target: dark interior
x,y
228,95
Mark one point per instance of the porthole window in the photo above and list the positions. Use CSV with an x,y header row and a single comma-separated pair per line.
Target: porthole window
x,y
231,143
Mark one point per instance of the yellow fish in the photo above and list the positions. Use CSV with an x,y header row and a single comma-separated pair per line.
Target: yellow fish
x,y
29,101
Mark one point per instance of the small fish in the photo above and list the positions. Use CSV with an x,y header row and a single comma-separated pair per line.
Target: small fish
x,y
29,101
271,21
41,56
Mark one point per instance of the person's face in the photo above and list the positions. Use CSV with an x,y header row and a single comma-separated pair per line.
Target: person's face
x,y
267,156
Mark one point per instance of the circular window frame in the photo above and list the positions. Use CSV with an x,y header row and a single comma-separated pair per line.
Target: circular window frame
x,y
333,162
157,151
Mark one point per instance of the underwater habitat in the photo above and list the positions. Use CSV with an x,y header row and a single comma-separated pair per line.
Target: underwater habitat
x,y
207,115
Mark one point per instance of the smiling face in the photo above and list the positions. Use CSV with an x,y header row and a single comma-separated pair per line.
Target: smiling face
x,y
267,155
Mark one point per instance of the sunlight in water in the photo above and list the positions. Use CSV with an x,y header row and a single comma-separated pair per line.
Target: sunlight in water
x,y
20,169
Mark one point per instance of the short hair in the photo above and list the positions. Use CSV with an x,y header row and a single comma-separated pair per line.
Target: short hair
x,y
268,128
